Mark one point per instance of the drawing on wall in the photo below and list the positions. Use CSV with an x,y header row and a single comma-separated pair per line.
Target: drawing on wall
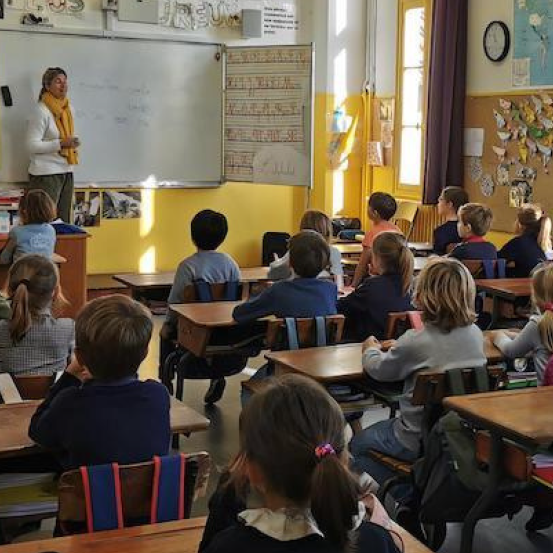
x,y
475,169
86,209
533,59
121,205
520,193
200,14
487,186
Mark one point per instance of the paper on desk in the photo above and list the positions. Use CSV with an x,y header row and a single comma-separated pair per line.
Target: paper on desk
x,y
543,460
474,142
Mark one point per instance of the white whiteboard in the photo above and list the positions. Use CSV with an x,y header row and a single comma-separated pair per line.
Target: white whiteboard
x,y
269,114
145,111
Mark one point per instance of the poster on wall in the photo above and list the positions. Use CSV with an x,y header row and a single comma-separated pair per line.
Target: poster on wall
x,y
86,210
280,19
122,205
533,47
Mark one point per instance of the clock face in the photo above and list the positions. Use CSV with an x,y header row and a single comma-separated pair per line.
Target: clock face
x,y
497,41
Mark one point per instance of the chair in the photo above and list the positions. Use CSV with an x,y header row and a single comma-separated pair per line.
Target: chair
x,y
486,268
405,217
274,243
136,486
33,387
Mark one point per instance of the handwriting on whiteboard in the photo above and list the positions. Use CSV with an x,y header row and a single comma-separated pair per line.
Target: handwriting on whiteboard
x,y
267,114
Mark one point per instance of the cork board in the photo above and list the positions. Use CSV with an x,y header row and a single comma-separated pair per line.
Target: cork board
x,y
479,113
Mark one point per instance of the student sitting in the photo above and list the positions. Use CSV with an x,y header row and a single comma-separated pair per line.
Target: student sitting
x,y
366,309
536,338
474,223
304,296
32,340
380,209
293,459
99,411
445,294
319,222
449,202
209,230
35,234
533,241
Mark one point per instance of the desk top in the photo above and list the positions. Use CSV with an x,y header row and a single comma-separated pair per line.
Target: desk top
x,y
211,315
165,279
508,288
15,419
349,249
421,246
420,263
342,362
523,415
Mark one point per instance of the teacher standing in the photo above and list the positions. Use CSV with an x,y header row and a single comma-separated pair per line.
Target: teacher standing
x,y
52,143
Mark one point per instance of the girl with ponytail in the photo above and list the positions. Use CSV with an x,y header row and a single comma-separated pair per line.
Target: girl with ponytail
x,y
293,461
33,341
389,291
532,243
536,338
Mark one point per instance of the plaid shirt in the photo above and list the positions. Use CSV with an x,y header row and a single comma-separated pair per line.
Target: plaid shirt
x,y
44,350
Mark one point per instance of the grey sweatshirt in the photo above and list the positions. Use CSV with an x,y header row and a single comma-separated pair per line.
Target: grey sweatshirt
x,y
429,348
527,342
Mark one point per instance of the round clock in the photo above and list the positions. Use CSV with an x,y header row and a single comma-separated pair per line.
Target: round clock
x,y
497,41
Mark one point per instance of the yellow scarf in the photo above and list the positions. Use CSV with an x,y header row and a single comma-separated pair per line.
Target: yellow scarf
x,y
64,121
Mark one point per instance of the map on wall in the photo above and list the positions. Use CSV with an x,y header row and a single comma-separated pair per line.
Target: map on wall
x,y
533,43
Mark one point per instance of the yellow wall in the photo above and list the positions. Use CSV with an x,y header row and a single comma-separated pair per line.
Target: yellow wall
x,y
161,238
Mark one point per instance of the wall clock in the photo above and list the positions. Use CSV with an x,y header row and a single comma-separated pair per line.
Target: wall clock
x,y
497,41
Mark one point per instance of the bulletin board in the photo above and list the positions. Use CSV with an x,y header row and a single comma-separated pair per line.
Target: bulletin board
x,y
518,145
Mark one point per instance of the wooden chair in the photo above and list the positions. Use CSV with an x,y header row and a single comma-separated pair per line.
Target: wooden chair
x,y
492,268
405,217
33,387
136,493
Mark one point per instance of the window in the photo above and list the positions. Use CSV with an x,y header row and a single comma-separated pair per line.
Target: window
x,y
411,96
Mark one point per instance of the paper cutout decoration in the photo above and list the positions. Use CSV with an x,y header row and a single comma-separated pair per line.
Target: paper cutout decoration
x,y
505,105
475,169
374,154
500,152
546,99
487,186
547,123
532,147
526,173
520,193
538,104
499,119
504,136
527,113
523,130
523,151
546,153
503,175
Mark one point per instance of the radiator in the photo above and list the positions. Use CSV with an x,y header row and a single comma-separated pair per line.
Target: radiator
x,y
425,223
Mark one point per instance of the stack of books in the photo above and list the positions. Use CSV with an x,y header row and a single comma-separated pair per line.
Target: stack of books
x,y
521,380
543,468
9,206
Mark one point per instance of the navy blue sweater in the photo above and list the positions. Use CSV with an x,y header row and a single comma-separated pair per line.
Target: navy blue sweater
x,y
97,423
444,235
301,297
366,309
525,253
474,250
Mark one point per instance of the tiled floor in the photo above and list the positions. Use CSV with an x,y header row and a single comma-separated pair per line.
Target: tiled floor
x,y
221,441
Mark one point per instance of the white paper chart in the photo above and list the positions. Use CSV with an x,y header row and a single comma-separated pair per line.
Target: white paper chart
x,y
268,115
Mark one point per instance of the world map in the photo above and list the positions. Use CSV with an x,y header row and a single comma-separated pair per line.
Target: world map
x,y
533,37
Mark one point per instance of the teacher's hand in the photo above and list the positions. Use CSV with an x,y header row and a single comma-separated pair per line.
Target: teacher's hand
x,y
71,142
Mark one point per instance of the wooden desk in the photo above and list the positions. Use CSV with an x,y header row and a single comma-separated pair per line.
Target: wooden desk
x,y
421,247
504,289
15,419
524,416
349,249
420,263
72,273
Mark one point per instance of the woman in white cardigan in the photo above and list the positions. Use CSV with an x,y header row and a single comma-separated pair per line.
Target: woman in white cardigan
x,y
51,142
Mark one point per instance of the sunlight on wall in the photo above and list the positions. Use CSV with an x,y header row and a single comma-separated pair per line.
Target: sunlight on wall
x,y
338,192
341,16
147,262
340,78
148,217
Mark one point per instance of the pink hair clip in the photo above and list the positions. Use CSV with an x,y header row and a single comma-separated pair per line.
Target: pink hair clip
x,y
323,450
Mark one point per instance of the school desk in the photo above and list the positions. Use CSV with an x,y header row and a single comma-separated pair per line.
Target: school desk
x,y
182,536
421,248
523,416
347,250
16,417
340,363
72,247
420,263
504,289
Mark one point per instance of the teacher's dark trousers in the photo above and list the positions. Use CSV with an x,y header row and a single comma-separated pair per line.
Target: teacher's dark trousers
x,y
59,188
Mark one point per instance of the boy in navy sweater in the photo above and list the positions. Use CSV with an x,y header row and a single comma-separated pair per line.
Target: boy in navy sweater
x,y
99,412
451,199
474,223
305,295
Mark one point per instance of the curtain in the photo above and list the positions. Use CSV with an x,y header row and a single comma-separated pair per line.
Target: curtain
x,y
444,162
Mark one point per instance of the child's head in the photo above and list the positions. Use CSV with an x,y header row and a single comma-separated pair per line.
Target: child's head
x,y
450,200
542,296
390,255
474,220
532,220
112,336
292,446
382,207
445,293
33,284
317,221
209,229
36,207
309,254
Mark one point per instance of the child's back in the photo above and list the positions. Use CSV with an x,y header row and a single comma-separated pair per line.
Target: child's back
x,y
474,223
450,201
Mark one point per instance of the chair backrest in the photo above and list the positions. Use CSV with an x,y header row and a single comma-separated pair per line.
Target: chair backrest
x,y
274,243
136,483
304,333
33,387
406,213
202,291
486,268
399,323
